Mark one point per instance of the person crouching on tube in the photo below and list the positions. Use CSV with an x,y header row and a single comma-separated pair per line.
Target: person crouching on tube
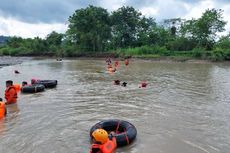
x,y
33,81
102,142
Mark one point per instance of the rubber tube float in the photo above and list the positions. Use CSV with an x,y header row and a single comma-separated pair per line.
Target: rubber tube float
x,y
47,83
32,88
125,131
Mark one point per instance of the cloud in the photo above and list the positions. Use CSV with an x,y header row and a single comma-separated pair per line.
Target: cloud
x,y
35,11
58,11
12,27
31,17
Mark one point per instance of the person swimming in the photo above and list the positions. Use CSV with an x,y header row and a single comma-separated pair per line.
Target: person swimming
x,y
116,82
124,84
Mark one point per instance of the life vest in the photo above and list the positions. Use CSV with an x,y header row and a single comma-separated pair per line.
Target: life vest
x,y
143,85
116,64
7,95
126,62
2,109
107,147
17,87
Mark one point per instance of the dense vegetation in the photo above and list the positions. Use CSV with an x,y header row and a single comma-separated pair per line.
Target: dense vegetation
x,y
93,31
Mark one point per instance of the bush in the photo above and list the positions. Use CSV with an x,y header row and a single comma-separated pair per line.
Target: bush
x,y
143,50
181,44
223,44
218,55
4,51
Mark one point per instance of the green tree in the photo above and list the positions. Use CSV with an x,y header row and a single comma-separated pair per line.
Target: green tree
x,y
54,38
204,30
89,28
145,28
125,26
159,36
15,42
53,42
38,46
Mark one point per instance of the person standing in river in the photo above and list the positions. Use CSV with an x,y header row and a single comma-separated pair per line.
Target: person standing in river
x,y
10,93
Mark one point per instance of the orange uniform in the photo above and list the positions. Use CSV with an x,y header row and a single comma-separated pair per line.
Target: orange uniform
x,y
11,95
17,87
116,64
126,62
107,147
2,109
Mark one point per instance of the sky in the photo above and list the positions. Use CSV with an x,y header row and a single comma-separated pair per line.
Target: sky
x,y
32,18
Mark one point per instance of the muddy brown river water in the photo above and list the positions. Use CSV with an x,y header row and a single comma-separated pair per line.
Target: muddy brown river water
x,y
184,109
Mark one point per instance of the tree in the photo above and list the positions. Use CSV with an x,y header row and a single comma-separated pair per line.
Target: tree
x,y
204,30
89,28
53,42
145,28
14,42
54,38
125,25
159,36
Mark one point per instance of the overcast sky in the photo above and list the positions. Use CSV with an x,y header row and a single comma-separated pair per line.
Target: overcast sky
x,y
31,18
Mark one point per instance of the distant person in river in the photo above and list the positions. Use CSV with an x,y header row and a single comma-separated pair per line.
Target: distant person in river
x,y
124,84
59,59
33,81
116,82
108,61
16,72
143,84
116,64
10,93
126,61
102,142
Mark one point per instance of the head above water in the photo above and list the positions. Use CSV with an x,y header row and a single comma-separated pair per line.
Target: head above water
x,y
33,81
9,83
124,84
24,83
116,82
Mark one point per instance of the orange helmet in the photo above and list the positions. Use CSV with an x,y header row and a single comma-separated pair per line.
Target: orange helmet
x,y
100,135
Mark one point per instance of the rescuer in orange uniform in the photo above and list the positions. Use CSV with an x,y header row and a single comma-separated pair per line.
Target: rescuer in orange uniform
x,y
103,143
10,93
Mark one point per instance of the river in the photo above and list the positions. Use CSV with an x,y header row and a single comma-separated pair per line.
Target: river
x,y
184,109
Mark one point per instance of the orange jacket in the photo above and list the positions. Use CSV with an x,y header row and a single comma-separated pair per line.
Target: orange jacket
x,y
11,95
107,147
116,64
2,109
126,62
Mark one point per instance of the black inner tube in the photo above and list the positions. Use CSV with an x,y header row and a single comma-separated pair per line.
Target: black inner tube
x,y
125,131
33,88
47,83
